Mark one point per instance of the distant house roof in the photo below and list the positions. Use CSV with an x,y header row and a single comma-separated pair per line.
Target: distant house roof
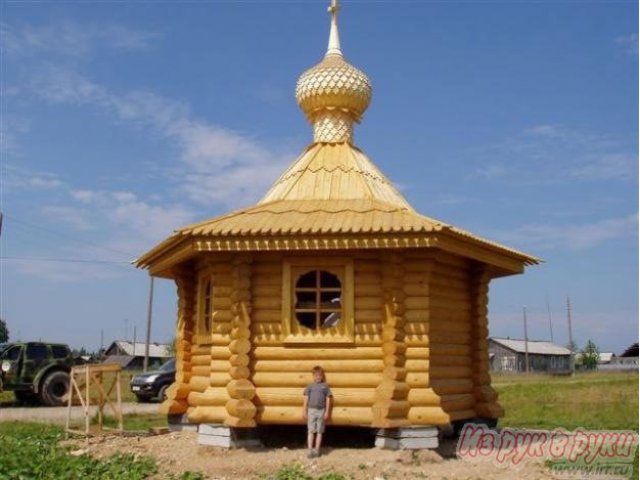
x,y
535,347
122,360
606,357
632,351
119,347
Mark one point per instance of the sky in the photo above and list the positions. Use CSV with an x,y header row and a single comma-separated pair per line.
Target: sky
x,y
122,121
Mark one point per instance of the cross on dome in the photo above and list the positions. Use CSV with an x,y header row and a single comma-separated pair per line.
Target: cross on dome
x,y
333,94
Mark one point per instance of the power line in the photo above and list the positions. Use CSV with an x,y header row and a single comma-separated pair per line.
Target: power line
x,y
77,240
64,260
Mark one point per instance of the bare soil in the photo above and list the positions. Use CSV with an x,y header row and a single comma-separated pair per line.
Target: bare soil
x,y
177,452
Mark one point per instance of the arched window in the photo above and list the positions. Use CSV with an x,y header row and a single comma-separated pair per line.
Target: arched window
x,y
318,301
317,304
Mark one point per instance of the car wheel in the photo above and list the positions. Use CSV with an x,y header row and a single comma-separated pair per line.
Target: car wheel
x,y
142,399
162,393
54,389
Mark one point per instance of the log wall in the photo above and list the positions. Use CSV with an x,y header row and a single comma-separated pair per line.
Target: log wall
x,y
417,356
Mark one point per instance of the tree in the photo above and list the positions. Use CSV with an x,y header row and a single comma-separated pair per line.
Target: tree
x,y
171,347
590,355
4,331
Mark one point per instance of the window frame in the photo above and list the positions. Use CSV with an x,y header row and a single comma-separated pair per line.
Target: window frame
x,y
204,316
343,331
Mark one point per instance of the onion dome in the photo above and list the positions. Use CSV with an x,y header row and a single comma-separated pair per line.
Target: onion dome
x,y
334,93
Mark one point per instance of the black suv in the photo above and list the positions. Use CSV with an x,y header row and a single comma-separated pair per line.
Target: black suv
x,y
154,384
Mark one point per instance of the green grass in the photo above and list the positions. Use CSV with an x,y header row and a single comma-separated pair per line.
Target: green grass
x,y
589,400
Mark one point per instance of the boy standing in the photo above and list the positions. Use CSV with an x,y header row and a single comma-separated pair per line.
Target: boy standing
x,y
315,409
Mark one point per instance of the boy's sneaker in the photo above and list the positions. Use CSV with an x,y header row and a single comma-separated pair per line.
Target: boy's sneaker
x,y
311,453
316,452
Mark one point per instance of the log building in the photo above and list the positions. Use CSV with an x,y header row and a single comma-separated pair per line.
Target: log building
x,y
332,267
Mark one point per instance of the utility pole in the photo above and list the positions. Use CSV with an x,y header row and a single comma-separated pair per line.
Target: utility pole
x,y
145,365
550,323
572,364
101,343
135,335
526,340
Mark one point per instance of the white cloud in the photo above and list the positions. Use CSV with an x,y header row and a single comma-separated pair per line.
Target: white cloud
x,y
629,43
72,39
74,217
608,167
548,153
24,178
223,166
572,237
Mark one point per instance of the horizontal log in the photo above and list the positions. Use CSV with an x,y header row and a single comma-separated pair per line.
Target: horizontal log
x,y
417,352
221,303
301,379
335,365
219,353
438,372
219,379
267,268
417,303
201,370
267,279
386,408
450,339
294,396
366,266
421,365
199,384
267,303
200,350
417,379
210,397
368,303
417,315
200,360
367,290
485,394
267,291
430,415
451,386
450,361
416,289
411,340
369,316
207,414
266,316
438,325
346,416
294,354
221,316
367,279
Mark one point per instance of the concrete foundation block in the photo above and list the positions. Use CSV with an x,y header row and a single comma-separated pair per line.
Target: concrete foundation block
x,y
217,435
407,438
180,423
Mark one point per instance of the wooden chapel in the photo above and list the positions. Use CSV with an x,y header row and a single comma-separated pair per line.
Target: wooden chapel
x,y
332,267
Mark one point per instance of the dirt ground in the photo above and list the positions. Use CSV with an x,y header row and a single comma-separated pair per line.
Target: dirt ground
x,y
179,451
